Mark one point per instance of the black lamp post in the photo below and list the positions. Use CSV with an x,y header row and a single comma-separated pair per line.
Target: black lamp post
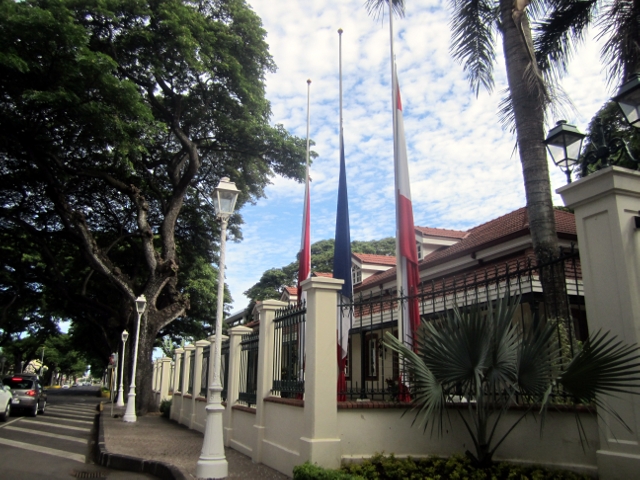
x,y
628,99
564,143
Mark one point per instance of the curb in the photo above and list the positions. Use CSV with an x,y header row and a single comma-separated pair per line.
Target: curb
x,y
162,470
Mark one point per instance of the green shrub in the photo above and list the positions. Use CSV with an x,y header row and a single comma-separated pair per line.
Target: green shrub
x,y
306,471
165,408
380,467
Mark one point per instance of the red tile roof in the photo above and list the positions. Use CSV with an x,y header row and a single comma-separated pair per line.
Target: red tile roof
x,y
323,274
442,232
291,290
376,259
493,232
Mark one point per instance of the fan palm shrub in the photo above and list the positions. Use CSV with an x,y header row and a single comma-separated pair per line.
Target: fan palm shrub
x,y
481,358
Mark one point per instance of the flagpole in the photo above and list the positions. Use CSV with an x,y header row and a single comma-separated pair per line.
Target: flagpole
x,y
308,123
399,266
342,254
304,257
340,77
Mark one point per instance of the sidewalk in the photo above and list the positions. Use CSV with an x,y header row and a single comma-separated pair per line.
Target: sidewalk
x,y
163,448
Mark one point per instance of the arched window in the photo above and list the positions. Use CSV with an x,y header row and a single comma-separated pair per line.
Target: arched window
x,y
356,274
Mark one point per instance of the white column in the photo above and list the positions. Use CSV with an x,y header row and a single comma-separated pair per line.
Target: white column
x,y
185,419
605,204
197,383
165,372
320,442
176,411
266,312
233,385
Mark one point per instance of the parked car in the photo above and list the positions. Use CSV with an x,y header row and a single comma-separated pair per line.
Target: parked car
x,y
27,393
5,402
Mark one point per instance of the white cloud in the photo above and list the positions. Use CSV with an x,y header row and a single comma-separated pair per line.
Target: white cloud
x,y
462,164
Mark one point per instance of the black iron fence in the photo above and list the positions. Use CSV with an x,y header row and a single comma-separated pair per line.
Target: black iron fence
x,y
373,372
289,347
204,373
192,369
249,369
224,373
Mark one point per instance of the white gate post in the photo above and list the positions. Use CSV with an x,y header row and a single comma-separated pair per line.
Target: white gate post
x,y
320,442
607,205
165,372
233,378
176,411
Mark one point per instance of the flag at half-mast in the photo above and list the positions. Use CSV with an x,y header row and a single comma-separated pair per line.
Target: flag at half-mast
x,y
407,254
342,271
304,256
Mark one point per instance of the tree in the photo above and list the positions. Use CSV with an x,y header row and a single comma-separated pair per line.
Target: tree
x,y
117,120
274,280
609,124
474,26
492,363
566,23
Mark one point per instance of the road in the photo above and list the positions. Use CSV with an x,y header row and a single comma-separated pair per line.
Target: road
x,y
60,444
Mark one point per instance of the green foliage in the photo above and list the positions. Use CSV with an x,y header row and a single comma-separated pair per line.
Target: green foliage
x,y
483,357
274,280
307,471
453,468
117,120
613,125
165,408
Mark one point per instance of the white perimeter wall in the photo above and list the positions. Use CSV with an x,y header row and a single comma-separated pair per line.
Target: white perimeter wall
x,y
368,431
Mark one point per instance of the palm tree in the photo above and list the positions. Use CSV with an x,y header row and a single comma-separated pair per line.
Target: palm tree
x,y
481,358
566,22
532,64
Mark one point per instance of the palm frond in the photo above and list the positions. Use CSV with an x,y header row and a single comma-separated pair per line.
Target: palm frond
x,y
557,36
376,8
473,40
536,361
506,117
504,344
621,51
457,350
426,391
603,366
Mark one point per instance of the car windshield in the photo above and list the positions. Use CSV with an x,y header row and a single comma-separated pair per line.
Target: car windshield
x,y
18,383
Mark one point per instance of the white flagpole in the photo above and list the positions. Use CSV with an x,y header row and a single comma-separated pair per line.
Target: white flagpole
x,y
340,76
308,122
399,265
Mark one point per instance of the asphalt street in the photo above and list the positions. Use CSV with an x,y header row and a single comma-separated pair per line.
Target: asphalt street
x,y
59,444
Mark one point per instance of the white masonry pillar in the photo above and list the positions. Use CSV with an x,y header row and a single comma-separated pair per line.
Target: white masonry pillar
x,y
606,204
266,312
320,442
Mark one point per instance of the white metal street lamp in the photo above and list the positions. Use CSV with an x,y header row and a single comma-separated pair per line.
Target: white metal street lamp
x,y
130,412
212,462
120,400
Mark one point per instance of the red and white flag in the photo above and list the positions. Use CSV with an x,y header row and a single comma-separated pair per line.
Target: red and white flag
x,y
407,254
304,256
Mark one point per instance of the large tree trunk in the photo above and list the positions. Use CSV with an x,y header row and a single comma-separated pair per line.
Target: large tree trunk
x,y
144,374
528,98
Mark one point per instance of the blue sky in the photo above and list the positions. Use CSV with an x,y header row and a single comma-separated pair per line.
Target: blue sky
x,y
462,164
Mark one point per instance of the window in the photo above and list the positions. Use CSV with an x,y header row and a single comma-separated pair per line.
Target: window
x,y
371,357
419,248
356,274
